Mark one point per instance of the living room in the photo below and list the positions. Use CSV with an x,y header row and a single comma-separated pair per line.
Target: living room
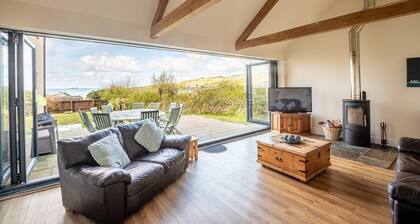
x,y
338,50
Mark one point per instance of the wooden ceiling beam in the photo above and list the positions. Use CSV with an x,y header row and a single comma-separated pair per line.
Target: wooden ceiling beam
x,y
397,9
160,11
182,13
269,4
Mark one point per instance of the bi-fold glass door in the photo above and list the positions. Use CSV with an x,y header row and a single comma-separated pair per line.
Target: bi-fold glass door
x,y
4,110
18,107
260,77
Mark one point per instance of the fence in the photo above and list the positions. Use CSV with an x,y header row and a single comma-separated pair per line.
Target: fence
x,y
72,105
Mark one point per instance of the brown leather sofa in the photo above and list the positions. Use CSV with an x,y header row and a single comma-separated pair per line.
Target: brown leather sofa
x,y
404,190
108,195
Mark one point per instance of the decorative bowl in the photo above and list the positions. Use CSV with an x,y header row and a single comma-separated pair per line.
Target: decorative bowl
x,y
291,139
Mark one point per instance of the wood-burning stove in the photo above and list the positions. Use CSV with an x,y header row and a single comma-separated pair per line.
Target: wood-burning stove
x,y
356,122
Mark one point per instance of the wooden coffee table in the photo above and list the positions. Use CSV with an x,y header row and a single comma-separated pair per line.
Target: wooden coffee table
x,y
302,161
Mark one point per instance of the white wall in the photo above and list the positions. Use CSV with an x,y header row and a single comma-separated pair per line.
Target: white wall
x,y
322,61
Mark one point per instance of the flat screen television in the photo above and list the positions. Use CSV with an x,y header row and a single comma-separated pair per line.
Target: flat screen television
x,y
413,72
290,99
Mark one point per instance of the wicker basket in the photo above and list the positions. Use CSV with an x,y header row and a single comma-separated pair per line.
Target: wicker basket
x,y
332,133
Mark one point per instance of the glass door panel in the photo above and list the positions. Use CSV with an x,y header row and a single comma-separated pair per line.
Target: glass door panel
x,y
258,83
4,111
28,107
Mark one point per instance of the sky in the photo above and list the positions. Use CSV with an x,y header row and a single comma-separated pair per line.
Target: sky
x,y
81,64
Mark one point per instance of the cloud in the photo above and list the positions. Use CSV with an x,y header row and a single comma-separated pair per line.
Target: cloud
x,y
191,65
107,63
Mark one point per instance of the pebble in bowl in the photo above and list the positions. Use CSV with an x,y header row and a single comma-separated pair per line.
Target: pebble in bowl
x,y
291,139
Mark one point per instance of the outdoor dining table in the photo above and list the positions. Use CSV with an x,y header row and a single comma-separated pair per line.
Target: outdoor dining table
x,y
130,115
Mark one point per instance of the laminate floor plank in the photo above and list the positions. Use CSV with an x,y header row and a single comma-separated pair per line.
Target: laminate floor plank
x,y
231,187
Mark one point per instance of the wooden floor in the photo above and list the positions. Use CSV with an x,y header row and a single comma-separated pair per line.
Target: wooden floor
x,y
230,187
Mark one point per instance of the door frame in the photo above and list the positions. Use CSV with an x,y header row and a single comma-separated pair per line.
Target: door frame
x,y
18,168
272,83
23,168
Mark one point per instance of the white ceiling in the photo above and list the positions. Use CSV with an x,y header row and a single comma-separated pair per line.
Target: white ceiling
x,y
222,22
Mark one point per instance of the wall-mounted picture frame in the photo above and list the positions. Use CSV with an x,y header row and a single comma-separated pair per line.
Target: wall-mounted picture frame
x,y
413,72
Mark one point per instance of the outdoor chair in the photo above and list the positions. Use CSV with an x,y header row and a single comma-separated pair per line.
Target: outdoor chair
x,y
176,131
94,110
106,109
171,105
154,105
102,120
169,125
47,139
86,121
154,114
138,105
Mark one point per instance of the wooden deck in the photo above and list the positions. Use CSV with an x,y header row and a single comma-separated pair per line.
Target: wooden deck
x,y
230,187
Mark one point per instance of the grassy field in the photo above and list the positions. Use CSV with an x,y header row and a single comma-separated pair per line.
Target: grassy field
x,y
68,118
217,97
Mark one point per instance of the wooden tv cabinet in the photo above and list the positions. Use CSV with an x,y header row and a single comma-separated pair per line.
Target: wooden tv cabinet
x,y
295,123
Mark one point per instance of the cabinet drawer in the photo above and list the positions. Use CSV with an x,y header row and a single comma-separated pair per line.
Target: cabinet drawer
x,y
281,159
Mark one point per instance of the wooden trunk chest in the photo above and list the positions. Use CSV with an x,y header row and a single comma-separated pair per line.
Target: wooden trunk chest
x,y
302,161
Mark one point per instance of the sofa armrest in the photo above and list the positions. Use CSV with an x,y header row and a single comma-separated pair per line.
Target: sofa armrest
x,y
410,145
405,192
99,176
181,142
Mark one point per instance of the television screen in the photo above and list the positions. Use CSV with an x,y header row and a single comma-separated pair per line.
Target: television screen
x,y
413,72
290,99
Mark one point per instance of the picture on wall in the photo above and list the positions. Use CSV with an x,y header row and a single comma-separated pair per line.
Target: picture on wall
x,y
413,72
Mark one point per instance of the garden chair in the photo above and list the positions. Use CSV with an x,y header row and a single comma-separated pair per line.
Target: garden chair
x,y
94,110
171,105
179,118
138,105
102,120
106,109
154,114
169,125
86,121
154,105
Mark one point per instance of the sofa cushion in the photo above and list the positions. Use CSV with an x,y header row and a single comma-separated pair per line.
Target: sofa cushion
x,y
74,151
149,136
167,157
143,174
108,152
99,176
408,162
405,188
130,145
410,145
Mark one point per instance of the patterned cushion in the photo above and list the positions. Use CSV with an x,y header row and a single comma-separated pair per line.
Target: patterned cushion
x,y
108,152
149,136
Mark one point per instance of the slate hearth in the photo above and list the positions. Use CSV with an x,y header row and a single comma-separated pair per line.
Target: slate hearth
x,y
375,155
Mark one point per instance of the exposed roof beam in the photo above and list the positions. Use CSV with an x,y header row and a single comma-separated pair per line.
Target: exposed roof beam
x,y
269,4
160,11
183,12
400,8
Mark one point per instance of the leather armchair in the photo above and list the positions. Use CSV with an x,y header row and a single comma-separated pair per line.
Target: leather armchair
x,y
108,195
404,190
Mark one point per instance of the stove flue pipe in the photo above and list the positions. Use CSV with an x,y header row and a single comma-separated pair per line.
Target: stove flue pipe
x,y
354,41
